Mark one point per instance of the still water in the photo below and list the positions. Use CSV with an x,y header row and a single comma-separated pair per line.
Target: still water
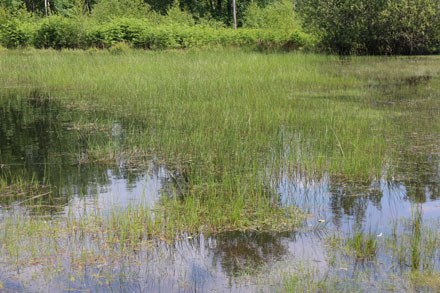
x,y
46,143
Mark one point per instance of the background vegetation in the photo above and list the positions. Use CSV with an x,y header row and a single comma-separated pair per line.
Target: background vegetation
x,y
374,27
343,27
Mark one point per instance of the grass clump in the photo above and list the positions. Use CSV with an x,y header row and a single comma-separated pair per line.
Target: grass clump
x,y
416,246
362,245
119,48
305,280
359,245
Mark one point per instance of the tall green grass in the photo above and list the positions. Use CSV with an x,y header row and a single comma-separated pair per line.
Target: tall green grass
x,y
230,121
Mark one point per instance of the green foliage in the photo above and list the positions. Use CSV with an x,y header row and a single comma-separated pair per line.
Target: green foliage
x,y
76,9
13,10
58,32
175,31
374,27
277,15
11,4
177,16
413,26
63,7
362,245
208,20
16,34
116,31
143,34
104,10
342,27
119,48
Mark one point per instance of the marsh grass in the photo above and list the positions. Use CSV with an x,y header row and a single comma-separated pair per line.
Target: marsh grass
x,y
228,123
21,191
306,279
416,246
359,244
362,245
411,250
230,120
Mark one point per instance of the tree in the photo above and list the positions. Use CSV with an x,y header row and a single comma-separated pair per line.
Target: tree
x,y
374,27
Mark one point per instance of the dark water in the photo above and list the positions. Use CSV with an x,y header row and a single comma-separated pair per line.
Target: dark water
x,y
42,141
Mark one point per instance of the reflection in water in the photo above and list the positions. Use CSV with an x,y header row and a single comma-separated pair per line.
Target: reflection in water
x,y
39,139
352,199
240,252
43,142
421,173
228,262
370,204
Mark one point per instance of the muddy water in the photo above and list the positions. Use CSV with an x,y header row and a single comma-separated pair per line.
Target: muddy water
x,y
46,143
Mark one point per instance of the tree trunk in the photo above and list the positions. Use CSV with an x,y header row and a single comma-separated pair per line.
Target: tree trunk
x,y
234,12
46,7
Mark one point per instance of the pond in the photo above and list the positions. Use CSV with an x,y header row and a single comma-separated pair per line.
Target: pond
x,y
356,234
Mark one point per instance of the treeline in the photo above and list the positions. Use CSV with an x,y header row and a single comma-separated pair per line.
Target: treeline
x,y
220,10
110,22
335,26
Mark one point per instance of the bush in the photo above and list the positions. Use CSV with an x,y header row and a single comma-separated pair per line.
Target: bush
x,y
119,48
127,30
143,34
15,34
59,32
374,27
16,25
413,26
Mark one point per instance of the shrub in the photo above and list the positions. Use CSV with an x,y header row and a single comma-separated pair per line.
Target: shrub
x,y
119,48
118,30
59,32
374,27
16,34
413,26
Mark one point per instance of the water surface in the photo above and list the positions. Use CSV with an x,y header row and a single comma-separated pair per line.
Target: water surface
x,y
44,142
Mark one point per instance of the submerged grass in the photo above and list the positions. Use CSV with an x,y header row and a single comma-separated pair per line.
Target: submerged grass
x,y
406,259
359,245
